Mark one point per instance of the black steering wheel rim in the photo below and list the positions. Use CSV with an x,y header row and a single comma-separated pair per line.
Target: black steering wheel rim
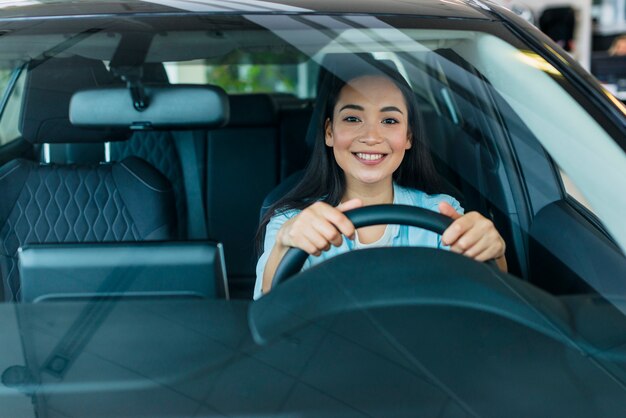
x,y
294,259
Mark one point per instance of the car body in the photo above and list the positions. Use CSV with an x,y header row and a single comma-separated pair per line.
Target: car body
x,y
217,97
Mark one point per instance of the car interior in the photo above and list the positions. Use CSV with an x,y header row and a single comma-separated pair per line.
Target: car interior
x,y
137,158
102,171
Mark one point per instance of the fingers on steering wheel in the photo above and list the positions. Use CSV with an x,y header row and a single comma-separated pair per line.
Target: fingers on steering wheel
x,y
316,241
487,254
330,233
341,223
452,233
478,247
337,219
495,250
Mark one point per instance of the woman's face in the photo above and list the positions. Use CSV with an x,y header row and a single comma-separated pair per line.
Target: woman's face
x,y
369,133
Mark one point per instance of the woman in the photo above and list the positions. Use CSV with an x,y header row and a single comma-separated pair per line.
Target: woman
x,y
369,150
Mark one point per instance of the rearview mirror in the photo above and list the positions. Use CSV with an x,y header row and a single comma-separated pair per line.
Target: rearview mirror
x,y
180,107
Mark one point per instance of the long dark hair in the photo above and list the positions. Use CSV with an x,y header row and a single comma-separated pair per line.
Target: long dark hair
x,y
323,179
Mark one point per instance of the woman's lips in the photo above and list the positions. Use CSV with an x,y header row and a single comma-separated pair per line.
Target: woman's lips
x,y
369,158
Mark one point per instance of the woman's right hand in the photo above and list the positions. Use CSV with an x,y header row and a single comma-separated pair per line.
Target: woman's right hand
x,y
313,230
318,227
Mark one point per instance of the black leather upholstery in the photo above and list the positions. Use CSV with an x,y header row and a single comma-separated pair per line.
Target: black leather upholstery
x,y
294,150
49,87
252,110
50,203
242,168
159,149
126,201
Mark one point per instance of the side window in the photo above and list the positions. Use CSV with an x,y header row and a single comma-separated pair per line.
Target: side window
x,y
441,88
12,83
573,192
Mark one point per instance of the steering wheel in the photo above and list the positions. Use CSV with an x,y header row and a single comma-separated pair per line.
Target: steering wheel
x,y
294,259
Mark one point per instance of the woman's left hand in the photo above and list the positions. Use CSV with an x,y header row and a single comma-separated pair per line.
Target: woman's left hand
x,y
474,236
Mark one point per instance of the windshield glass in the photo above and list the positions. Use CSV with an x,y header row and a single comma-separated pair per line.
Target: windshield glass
x,y
128,251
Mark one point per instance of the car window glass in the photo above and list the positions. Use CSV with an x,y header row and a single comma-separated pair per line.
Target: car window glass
x,y
525,81
245,76
469,97
506,130
9,130
573,191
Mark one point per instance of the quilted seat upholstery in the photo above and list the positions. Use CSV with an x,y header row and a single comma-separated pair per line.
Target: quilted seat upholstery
x,y
124,201
159,149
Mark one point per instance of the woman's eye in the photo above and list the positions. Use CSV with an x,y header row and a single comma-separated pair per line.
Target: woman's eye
x,y
390,121
351,119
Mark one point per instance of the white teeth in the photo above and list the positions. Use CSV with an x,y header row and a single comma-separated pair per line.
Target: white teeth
x,y
369,157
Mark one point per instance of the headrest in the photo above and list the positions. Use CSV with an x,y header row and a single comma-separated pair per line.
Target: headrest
x,y
168,107
345,66
49,87
252,110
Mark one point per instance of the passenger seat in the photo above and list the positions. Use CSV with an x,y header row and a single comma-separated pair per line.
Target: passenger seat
x,y
53,203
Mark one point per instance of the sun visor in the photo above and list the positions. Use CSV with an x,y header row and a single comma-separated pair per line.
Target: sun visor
x,y
168,107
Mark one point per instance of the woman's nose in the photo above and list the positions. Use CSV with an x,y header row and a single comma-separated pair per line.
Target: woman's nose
x,y
371,134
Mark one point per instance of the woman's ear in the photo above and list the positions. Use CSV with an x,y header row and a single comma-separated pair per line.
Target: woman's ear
x,y
328,133
409,140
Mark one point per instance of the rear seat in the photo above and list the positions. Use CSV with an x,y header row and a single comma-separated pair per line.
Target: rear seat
x,y
294,117
242,167
263,143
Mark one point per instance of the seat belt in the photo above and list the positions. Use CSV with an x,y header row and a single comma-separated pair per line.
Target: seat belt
x,y
196,215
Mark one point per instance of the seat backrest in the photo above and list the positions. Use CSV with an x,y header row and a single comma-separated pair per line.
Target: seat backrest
x,y
51,203
242,168
159,149
295,145
293,122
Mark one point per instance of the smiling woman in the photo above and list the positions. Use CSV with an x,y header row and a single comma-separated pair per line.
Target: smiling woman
x,y
178,121
364,148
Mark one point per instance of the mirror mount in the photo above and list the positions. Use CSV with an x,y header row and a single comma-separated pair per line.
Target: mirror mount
x,y
132,77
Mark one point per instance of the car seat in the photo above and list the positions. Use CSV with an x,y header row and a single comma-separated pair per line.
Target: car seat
x,y
55,203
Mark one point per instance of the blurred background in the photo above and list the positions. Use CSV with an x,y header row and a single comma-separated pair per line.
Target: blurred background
x,y
592,31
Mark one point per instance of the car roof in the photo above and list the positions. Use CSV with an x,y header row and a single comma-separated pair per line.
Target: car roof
x,y
463,9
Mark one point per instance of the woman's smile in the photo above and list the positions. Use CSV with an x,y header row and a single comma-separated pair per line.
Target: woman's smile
x,y
369,158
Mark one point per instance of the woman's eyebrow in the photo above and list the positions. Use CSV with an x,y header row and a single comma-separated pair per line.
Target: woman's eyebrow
x,y
352,106
391,109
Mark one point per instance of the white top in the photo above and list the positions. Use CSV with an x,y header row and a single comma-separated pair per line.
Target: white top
x,y
384,241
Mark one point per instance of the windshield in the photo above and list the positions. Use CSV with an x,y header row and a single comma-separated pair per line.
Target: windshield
x,y
128,248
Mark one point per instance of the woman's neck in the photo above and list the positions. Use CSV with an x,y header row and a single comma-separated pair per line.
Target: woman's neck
x,y
370,194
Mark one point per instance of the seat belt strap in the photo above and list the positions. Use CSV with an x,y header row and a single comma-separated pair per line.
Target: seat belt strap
x,y
196,218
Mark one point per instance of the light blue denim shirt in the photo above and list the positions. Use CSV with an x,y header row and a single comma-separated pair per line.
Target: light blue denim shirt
x,y
404,236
